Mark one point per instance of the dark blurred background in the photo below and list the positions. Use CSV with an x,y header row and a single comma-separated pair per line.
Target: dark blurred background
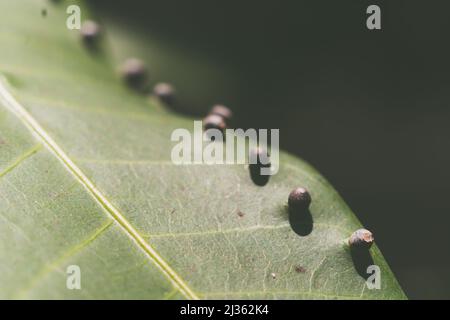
x,y
369,109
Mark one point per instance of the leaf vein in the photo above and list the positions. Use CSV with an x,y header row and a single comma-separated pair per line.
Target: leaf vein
x,y
11,103
20,159
57,262
253,293
237,230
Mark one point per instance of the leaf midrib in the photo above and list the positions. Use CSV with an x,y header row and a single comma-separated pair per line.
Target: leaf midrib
x,y
16,108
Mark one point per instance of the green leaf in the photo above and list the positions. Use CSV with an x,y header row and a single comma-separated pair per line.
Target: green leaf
x,y
86,179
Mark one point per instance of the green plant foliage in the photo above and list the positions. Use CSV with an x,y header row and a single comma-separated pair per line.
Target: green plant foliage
x,y
86,179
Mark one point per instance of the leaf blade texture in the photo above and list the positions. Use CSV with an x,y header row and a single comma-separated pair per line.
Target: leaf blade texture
x,y
86,179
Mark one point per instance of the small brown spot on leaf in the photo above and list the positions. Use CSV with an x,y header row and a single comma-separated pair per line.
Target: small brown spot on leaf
x,y
214,121
165,92
259,160
222,111
300,269
299,199
90,33
135,74
361,239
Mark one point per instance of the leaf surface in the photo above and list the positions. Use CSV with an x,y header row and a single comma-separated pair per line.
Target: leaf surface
x,y
86,179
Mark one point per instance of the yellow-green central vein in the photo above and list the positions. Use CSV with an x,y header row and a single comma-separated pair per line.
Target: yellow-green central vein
x,y
10,102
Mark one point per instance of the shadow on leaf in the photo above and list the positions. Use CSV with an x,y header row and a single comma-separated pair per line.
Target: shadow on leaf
x,y
301,221
361,260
